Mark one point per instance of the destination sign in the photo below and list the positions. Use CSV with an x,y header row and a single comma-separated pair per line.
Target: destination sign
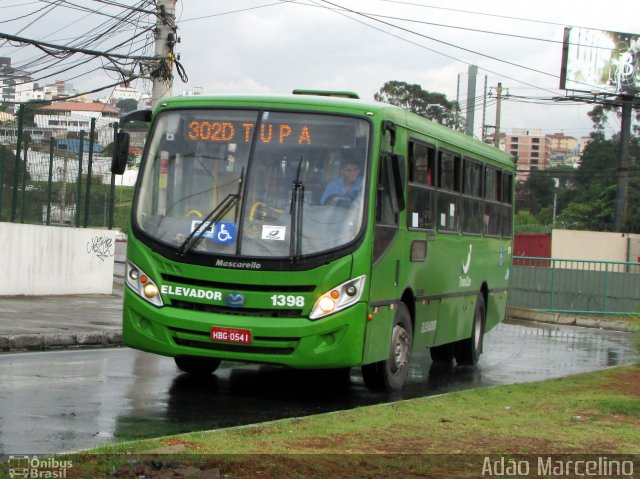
x,y
234,132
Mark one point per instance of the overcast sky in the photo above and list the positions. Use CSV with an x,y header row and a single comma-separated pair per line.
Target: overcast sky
x,y
273,46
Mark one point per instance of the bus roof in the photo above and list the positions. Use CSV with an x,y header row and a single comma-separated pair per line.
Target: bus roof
x,y
344,104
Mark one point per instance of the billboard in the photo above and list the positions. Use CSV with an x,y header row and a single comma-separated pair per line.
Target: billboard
x,y
598,61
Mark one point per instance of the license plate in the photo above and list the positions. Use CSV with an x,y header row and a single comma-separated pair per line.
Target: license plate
x,y
231,335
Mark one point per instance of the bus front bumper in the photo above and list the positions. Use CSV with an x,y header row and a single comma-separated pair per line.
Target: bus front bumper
x,y
332,342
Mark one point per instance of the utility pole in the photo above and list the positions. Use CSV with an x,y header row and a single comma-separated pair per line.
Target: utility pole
x,y
458,102
471,99
623,167
166,38
496,140
484,110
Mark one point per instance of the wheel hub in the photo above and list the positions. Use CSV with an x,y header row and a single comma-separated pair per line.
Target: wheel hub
x,y
401,348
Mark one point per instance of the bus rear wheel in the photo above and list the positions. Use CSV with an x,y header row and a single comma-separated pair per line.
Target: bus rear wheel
x,y
197,366
390,375
467,351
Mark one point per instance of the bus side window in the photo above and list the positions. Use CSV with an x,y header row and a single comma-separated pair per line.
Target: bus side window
x,y
421,195
472,197
422,164
386,212
492,201
506,217
448,211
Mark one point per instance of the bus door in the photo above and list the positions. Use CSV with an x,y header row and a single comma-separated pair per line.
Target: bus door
x,y
388,251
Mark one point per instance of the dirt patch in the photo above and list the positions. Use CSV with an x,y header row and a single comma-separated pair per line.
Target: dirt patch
x,y
626,383
335,466
437,442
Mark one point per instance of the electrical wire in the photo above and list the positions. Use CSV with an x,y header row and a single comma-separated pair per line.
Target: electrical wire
x,y
237,11
494,15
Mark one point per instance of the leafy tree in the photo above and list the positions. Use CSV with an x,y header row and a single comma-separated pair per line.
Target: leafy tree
x,y
431,105
7,165
524,217
31,109
595,213
598,164
8,179
535,193
127,105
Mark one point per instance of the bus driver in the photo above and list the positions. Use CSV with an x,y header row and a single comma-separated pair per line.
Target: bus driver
x,y
345,188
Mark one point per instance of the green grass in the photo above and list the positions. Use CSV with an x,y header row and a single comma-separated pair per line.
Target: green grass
x,y
597,412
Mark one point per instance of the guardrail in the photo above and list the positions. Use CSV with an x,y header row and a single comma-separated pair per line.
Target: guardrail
x,y
575,286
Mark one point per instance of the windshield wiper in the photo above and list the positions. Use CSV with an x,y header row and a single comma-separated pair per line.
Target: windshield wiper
x,y
297,202
212,218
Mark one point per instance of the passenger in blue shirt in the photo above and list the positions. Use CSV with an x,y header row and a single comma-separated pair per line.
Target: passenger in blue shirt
x,y
343,190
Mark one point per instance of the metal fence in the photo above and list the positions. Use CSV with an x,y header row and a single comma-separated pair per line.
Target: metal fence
x,y
60,176
577,286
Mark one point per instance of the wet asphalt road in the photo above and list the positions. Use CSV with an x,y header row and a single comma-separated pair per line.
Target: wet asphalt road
x,y
68,400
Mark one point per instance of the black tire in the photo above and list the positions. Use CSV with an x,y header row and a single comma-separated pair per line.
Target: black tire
x,y
390,375
467,351
197,366
442,354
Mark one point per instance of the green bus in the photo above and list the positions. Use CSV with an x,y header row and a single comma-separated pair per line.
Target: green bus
x,y
313,230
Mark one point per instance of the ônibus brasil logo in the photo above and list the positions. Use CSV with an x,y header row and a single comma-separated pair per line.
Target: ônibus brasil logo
x,y
34,467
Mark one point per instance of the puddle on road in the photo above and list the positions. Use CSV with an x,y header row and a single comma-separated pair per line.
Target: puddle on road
x,y
85,398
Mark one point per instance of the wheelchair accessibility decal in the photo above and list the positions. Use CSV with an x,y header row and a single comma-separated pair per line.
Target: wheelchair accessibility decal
x,y
223,232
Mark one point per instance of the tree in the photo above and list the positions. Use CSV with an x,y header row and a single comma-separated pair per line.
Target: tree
x,y
523,218
591,204
431,105
535,193
598,164
31,109
126,105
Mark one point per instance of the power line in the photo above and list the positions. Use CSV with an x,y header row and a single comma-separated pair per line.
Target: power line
x,y
127,7
50,48
443,25
436,51
507,17
257,7
24,16
468,50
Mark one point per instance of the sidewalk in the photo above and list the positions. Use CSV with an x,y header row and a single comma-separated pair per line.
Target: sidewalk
x,y
37,323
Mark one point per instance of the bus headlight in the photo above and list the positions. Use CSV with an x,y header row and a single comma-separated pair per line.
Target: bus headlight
x,y
142,285
338,298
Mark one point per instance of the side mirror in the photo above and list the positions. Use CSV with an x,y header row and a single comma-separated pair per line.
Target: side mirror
x,y
120,153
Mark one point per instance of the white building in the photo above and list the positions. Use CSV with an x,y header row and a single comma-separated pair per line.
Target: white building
x,y
121,93
26,92
10,79
69,116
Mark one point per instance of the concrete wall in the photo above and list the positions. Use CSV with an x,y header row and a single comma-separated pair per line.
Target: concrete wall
x,y
595,246
49,260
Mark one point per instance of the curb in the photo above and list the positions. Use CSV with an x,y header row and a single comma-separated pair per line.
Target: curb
x,y
53,341
569,320
113,338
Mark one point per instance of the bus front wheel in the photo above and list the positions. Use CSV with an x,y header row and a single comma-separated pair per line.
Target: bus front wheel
x,y
197,366
390,374
468,351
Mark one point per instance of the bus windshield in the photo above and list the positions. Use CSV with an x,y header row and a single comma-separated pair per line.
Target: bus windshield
x,y
253,183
